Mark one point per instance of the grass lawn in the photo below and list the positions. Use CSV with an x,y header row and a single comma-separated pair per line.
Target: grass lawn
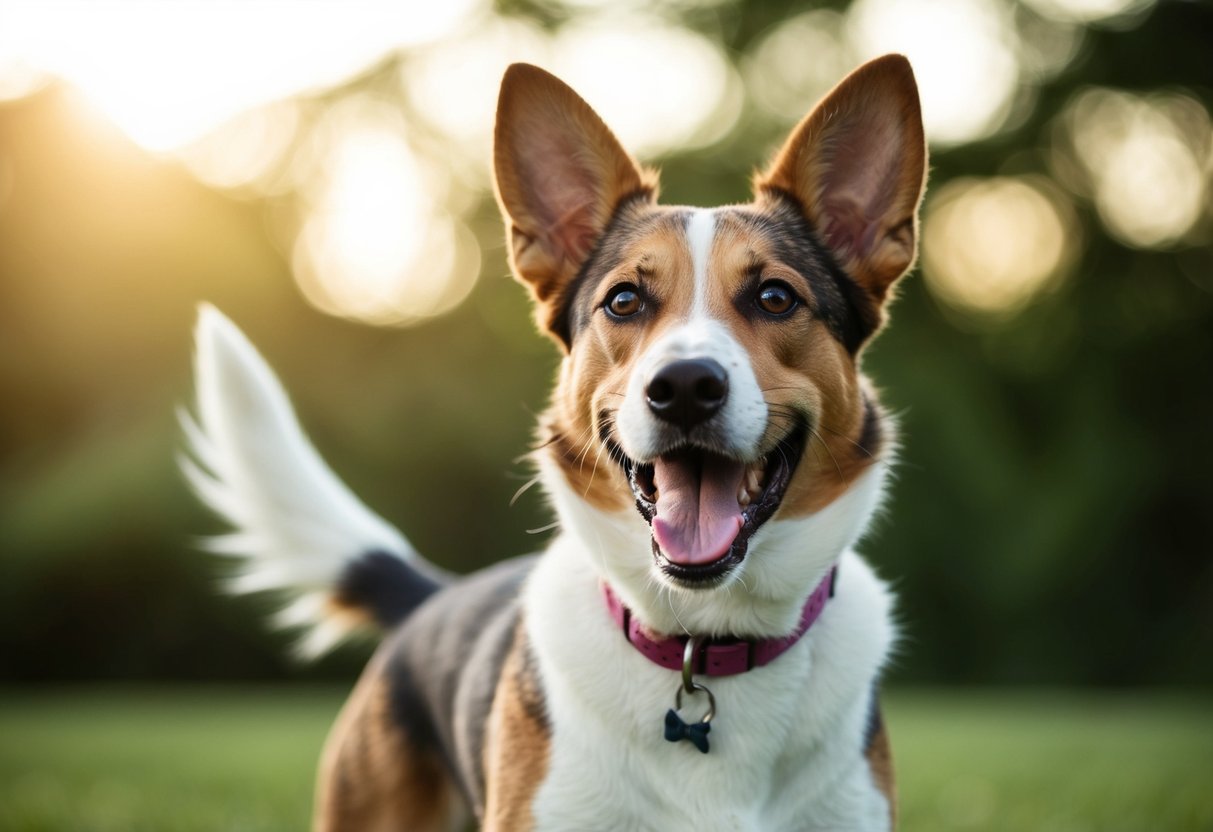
x,y
1053,762
88,760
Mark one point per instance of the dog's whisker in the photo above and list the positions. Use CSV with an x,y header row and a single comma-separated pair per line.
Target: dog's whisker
x,y
594,470
526,486
838,433
585,445
552,438
837,467
816,455
674,612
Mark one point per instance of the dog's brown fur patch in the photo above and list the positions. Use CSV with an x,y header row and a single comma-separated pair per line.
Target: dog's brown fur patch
x,y
372,777
518,743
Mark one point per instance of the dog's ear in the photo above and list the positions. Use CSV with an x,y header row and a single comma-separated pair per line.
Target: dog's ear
x,y
857,166
560,175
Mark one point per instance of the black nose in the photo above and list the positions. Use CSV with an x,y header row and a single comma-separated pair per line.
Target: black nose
x,y
688,392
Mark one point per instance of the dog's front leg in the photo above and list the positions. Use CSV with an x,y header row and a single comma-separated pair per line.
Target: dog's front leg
x,y
517,745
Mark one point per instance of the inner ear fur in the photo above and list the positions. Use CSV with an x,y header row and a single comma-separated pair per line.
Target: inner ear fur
x,y
560,175
857,165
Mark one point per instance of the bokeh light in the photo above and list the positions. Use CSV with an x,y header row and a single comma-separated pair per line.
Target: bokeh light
x,y
688,107
1045,46
991,245
1145,160
376,243
966,56
797,62
697,101
1090,11
963,53
453,85
248,150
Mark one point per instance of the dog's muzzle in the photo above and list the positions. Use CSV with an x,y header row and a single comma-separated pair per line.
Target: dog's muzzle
x,y
703,495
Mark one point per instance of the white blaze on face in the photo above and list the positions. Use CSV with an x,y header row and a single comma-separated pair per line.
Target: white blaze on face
x,y
701,229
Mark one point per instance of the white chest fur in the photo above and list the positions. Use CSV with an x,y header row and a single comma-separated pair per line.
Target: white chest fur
x,y
786,742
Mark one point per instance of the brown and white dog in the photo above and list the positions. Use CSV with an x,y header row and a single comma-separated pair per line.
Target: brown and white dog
x,y
712,453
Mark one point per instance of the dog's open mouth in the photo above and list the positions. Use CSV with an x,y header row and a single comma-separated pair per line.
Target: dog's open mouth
x,y
704,507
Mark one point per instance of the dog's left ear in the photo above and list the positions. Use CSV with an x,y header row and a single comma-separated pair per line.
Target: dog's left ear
x,y
560,176
857,166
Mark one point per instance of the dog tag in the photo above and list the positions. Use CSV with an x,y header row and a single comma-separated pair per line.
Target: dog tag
x,y
696,733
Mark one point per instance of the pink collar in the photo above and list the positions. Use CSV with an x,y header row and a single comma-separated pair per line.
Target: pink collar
x,y
724,656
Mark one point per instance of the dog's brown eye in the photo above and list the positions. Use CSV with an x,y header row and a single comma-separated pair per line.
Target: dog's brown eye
x,y
776,298
624,301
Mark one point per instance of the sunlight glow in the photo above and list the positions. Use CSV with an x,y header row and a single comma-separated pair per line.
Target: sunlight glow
x,y
17,77
991,245
1046,47
453,86
1145,159
1089,11
168,73
376,244
799,61
963,56
247,150
677,5
379,233
609,60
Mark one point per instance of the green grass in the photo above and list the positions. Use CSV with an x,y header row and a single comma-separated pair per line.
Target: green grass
x,y
164,760
994,761
92,760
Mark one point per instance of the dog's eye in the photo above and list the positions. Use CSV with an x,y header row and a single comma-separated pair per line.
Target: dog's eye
x,y
776,298
623,301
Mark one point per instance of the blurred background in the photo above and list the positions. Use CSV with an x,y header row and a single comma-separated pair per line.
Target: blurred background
x,y
319,171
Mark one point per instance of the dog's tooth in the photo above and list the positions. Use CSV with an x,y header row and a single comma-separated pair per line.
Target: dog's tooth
x,y
751,479
743,496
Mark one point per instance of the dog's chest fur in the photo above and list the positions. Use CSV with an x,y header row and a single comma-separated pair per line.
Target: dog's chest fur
x,y
787,738
787,741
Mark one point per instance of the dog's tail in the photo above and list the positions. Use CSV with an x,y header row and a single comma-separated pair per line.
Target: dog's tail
x,y
298,528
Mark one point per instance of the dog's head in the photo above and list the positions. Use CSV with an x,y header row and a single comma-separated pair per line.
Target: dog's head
x,y
710,434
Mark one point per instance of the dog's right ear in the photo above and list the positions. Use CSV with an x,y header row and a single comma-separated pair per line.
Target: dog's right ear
x,y
560,175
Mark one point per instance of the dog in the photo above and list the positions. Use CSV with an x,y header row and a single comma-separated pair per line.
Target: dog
x,y
699,647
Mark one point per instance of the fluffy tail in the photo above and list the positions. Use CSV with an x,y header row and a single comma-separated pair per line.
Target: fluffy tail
x,y
298,528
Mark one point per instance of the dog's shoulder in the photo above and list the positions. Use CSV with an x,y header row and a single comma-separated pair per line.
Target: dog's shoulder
x,y
444,665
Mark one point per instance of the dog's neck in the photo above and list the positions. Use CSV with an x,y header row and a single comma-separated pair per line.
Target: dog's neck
x,y
716,656
788,559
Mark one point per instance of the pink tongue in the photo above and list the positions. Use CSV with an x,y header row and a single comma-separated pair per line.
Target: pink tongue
x,y
698,515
